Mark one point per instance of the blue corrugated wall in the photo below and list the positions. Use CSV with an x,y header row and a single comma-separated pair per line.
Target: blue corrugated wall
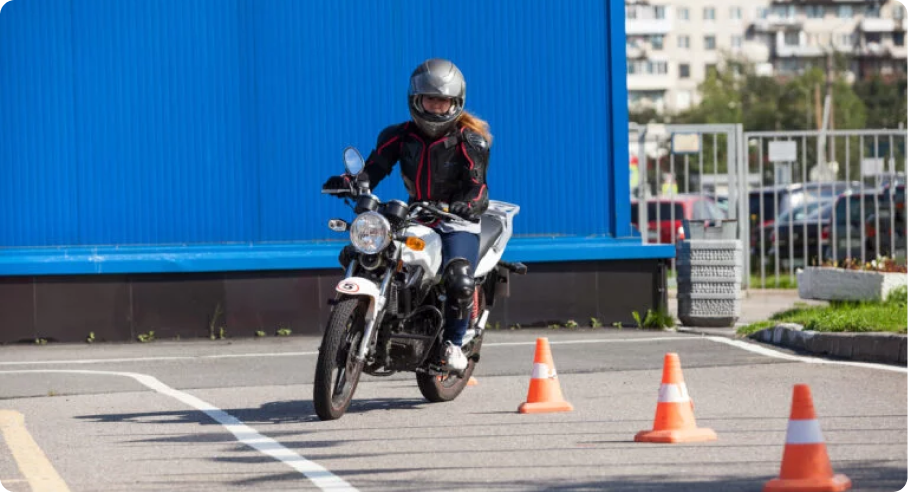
x,y
214,122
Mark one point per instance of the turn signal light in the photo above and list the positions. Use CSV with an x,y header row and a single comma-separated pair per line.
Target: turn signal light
x,y
415,243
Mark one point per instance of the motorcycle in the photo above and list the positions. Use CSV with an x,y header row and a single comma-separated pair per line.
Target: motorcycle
x,y
387,313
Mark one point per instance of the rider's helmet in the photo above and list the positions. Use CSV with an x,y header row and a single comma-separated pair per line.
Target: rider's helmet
x,y
439,78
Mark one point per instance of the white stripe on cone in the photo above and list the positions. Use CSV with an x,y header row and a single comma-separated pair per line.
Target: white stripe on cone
x,y
541,371
673,393
803,432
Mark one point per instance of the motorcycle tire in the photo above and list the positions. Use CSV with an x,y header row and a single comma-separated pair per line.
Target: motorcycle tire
x,y
337,373
438,389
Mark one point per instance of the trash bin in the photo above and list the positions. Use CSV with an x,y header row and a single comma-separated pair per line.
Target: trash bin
x,y
710,264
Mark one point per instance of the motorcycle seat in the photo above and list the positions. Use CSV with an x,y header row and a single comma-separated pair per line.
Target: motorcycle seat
x,y
491,228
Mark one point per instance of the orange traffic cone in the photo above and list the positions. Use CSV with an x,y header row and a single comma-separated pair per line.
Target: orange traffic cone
x,y
674,420
544,395
805,464
472,381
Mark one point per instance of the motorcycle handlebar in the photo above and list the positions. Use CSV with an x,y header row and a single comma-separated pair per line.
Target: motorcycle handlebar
x,y
441,213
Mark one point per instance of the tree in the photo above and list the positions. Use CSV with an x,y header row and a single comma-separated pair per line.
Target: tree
x,y
885,102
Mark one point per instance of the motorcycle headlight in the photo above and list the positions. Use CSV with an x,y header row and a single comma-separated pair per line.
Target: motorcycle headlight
x,y
370,233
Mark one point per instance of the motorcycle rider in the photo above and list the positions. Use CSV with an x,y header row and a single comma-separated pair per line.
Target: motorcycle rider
x,y
444,154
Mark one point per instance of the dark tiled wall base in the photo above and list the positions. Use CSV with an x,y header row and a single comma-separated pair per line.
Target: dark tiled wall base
x,y
120,307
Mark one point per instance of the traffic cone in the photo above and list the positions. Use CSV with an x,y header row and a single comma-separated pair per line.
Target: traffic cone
x,y
805,464
472,381
544,395
674,420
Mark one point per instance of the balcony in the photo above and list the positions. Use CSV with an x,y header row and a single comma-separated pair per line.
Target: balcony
x,y
799,51
650,82
774,23
647,26
877,25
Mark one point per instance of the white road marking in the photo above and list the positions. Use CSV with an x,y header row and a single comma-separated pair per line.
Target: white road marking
x,y
750,347
157,359
300,354
758,349
318,475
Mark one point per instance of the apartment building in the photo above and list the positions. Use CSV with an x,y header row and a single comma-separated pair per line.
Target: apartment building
x,y
801,34
672,44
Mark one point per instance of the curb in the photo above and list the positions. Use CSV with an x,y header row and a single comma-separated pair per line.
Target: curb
x,y
886,348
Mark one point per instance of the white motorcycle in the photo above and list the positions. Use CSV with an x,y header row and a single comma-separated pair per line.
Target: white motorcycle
x,y
387,313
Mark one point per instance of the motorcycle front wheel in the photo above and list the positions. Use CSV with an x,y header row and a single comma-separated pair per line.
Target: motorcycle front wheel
x,y
337,372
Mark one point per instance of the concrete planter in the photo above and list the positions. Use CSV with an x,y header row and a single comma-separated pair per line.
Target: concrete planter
x,y
837,284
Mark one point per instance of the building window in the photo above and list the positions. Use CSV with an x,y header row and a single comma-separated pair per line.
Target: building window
x,y
659,12
898,38
872,11
657,67
734,13
898,12
709,13
684,71
684,14
709,43
657,42
737,42
815,11
844,40
845,12
684,41
792,38
762,12
630,13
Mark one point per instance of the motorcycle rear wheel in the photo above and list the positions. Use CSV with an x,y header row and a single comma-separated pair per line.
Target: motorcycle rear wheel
x,y
438,389
337,373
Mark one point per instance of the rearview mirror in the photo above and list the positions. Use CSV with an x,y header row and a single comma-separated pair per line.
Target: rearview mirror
x,y
353,161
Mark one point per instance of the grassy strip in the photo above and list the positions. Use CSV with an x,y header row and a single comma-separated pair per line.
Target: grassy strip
x,y
844,316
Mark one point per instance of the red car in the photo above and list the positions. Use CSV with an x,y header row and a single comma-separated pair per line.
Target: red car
x,y
665,215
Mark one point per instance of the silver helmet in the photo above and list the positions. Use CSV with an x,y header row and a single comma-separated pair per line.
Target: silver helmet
x,y
439,78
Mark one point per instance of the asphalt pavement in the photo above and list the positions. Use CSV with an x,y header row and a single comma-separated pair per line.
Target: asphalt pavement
x,y
110,427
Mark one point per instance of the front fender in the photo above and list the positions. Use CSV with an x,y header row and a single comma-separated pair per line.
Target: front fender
x,y
358,286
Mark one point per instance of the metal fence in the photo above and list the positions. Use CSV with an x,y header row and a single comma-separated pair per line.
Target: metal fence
x,y
683,172
824,198
803,198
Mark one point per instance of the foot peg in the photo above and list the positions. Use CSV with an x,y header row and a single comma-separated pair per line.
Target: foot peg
x,y
518,268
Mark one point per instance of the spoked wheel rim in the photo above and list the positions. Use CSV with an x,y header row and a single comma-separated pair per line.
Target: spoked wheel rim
x,y
346,369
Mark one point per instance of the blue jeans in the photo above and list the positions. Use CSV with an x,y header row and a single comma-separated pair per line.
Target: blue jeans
x,y
458,245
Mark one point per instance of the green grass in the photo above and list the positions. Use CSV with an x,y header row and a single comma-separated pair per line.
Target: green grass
x,y
771,281
844,316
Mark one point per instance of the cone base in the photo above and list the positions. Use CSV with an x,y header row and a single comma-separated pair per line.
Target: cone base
x,y
545,407
676,435
472,381
837,483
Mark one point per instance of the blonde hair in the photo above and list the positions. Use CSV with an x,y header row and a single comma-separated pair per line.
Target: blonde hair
x,y
478,125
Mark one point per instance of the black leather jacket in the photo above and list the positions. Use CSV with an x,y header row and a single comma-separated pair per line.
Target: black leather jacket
x,y
448,169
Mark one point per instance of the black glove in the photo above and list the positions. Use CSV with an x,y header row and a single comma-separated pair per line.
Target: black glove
x,y
464,210
337,183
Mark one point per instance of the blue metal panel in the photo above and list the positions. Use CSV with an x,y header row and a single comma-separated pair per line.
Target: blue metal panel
x,y
158,132
162,259
215,121
38,202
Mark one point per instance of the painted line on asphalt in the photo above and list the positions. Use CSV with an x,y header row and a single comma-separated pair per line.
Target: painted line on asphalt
x,y
300,354
156,359
31,460
593,340
317,474
758,349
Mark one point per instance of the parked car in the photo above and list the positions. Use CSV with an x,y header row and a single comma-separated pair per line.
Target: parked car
x,y
802,235
877,229
665,215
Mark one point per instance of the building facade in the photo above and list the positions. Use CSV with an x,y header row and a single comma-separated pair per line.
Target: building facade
x,y
671,45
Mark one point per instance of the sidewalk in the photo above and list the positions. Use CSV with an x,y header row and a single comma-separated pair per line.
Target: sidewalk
x,y
760,304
